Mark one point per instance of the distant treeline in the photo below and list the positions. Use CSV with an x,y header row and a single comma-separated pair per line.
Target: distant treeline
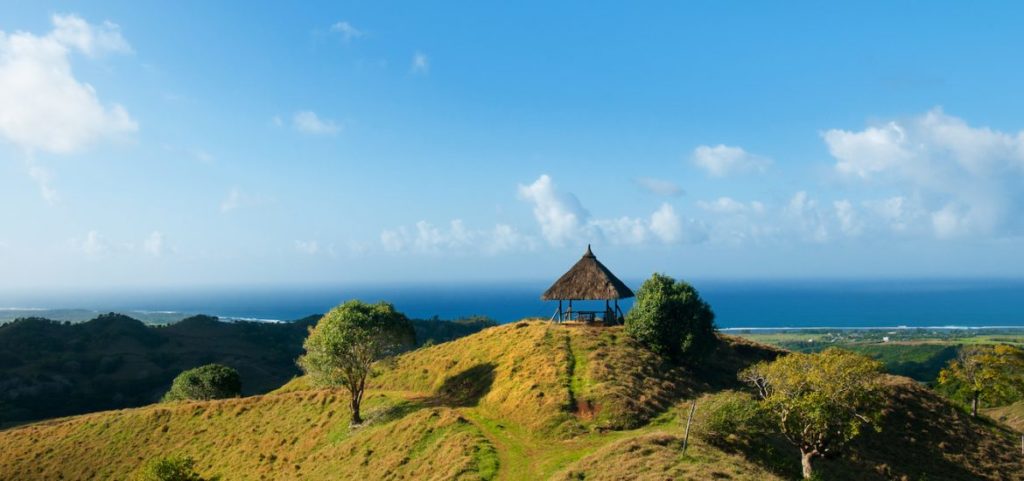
x,y
51,369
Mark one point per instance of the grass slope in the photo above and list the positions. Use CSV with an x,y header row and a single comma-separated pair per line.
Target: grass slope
x,y
525,401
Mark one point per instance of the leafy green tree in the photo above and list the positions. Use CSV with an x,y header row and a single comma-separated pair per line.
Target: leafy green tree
x,y
994,374
819,402
212,381
171,468
348,341
670,318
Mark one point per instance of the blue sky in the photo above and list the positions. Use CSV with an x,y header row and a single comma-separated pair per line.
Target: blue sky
x,y
199,143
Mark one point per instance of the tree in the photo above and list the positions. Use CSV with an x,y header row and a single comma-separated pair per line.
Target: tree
x,y
818,402
212,381
344,346
993,373
670,318
171,468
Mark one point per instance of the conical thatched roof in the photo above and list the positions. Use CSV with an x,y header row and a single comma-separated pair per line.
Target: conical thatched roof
x,y
588,280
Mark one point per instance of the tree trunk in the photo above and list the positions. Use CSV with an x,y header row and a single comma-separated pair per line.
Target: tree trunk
x,y
805,462
356,418
974,404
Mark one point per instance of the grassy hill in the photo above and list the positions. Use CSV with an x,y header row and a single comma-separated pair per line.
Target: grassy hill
x,y
524,401
50,368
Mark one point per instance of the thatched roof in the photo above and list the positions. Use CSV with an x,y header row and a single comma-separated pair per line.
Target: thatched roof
x,y
589,279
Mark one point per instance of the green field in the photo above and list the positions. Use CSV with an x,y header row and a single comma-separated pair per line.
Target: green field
x,y
916,353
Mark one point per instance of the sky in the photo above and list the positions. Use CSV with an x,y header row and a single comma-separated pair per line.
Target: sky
x,y
200,143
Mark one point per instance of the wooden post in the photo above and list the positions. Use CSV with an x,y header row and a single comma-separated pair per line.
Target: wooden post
x,y
689,419
559,310
570,310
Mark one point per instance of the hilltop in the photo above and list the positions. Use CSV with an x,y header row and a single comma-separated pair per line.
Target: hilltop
x,y
524,401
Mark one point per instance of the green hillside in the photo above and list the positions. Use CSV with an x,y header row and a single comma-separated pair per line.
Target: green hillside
x,y
524,401
50,368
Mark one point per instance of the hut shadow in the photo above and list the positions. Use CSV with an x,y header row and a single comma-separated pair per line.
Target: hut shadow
x,y
466,388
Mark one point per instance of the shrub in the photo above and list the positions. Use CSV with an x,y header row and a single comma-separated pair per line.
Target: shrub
x,y
171,468
727,414
212,381
670,318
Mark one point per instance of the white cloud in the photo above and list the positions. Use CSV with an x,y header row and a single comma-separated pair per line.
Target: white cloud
x,y
426,238
420,63
624,230
154,244
346,30
309,122
311,247
966,180
563,220
92,40
728,205
42,105
849,222
559,215
92,245
722,160
810,221
44,179
660,187
665,224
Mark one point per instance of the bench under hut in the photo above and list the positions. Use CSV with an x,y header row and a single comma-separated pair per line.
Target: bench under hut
x,y
588,280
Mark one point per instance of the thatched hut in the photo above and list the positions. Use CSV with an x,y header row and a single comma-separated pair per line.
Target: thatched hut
x,y
588,280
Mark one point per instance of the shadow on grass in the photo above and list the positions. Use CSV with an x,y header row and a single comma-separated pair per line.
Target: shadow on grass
x,y
467,387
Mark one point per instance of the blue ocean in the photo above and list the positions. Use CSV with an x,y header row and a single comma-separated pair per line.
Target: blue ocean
x,y
737,304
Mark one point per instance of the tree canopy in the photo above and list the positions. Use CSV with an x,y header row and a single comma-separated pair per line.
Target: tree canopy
x,y
670,318
343,347
993,374
818,402
212,381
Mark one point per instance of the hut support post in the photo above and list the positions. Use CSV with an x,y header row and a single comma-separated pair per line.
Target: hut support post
x,y
569,314
560,310
618,311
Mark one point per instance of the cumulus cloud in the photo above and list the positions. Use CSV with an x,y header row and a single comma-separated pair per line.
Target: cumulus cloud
x,y
42,105
346,30
665,224
425,237
723,160
967,180
559,215
661,187
309,122
420,63
563,220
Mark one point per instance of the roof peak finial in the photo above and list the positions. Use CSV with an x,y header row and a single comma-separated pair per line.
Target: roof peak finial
x,y
589,252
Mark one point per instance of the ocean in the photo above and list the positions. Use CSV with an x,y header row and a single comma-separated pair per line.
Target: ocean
x,y
737,304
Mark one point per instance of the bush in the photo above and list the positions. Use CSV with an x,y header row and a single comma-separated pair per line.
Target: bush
x,y
212,381
670,318
726,414
171,468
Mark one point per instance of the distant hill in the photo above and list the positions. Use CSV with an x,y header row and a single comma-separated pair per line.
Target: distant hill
x,y
50,369
525,401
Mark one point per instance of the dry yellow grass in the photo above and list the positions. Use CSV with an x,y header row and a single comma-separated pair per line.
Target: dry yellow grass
x,y
526,401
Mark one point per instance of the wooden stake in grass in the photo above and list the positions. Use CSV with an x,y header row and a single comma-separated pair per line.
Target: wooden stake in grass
x,y
689,419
